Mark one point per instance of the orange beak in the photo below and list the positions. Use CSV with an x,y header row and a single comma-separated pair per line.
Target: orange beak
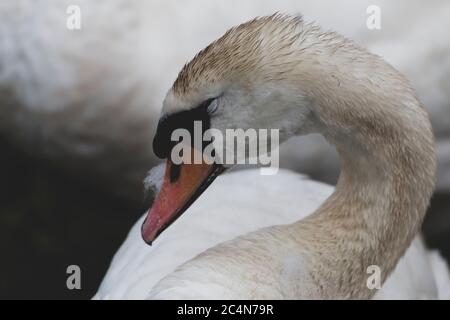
x,y
182,185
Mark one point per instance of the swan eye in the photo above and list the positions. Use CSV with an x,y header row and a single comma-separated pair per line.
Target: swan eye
x,y
212,107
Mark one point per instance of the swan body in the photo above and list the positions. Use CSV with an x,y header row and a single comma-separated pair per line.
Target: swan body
x,y
136,268
280,72
86,98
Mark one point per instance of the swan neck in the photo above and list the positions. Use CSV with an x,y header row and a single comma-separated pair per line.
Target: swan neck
x,y
388,165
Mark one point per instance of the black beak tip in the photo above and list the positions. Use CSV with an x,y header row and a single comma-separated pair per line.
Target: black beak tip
x,y
149,242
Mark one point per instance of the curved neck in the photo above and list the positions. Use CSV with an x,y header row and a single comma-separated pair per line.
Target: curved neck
x,y
388,164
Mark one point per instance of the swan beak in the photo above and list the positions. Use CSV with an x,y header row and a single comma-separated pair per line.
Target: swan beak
x,y
182,185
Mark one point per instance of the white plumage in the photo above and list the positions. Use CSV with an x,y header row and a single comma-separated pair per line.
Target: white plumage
x,y
238,203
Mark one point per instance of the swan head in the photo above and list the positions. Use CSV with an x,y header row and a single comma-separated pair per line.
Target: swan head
x,y
244,80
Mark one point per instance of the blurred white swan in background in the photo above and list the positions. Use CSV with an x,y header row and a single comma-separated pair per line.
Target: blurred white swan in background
x,y
301,80
88,99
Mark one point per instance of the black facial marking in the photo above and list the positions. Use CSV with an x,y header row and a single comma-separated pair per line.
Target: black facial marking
x,y
175,171
162,144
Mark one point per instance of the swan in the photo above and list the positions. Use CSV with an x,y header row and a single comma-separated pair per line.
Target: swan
x,y
302,239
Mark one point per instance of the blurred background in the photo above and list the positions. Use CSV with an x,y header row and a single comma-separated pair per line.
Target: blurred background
x,y
78,110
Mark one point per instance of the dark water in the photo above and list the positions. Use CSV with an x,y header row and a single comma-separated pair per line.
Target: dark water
x,y
50,220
